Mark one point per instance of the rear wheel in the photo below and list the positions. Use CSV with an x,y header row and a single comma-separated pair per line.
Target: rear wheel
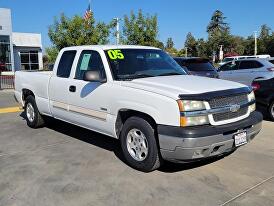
x,y
139,146
271,110
33,117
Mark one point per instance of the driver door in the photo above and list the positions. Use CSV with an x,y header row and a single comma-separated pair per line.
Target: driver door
x,y
229,71
88,105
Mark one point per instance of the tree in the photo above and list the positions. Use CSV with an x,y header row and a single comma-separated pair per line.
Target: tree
x,y
51,53
141,30
217,23
76,31
191,45
169,43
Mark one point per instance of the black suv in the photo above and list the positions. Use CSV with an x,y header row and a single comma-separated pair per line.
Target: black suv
x,y
264,92
197,66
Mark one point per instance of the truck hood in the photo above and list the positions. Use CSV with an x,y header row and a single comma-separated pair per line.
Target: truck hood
x,y
173,86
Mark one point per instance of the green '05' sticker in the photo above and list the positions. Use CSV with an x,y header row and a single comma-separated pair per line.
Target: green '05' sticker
x,y
115,54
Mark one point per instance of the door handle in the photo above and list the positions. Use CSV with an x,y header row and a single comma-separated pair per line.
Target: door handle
x,y
72,88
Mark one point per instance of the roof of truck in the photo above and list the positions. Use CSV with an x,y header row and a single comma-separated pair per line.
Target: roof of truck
x,y
107,47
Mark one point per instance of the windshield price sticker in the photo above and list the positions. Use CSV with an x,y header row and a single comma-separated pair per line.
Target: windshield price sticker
x,y
115,54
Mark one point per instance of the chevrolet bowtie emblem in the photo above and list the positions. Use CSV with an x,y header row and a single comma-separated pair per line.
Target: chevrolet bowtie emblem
x,y
234,108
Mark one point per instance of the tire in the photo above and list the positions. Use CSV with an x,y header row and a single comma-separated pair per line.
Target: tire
x,y
33,117
149,157
271,111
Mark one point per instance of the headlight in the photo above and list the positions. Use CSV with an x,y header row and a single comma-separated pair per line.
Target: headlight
x,y
189,106
251,96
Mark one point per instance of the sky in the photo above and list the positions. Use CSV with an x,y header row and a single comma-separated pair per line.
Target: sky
x,y
176,17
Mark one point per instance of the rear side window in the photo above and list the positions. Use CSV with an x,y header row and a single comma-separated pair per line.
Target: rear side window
x,y
65,64
250,65
271,61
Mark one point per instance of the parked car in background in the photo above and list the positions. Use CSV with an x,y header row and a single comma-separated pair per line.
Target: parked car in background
x,y
245,71
233,58
197,66
264,92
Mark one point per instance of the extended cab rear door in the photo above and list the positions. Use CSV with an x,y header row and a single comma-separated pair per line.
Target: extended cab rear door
x,y
59,85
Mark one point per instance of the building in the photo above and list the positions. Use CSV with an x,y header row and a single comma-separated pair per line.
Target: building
x,y
18,51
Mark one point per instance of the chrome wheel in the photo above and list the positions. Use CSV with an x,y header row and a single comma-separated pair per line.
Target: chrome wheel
x,y
30,112
137,145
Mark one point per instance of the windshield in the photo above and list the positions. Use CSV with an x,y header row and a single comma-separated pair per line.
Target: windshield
x,y
128,64
197,65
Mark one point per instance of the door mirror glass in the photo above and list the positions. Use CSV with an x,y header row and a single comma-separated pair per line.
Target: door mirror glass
x,y
93,76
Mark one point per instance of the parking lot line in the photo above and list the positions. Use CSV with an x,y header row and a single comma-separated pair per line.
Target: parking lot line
x,y
10,110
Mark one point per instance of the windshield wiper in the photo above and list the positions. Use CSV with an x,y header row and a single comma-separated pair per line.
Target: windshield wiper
x,y
135,76
170,74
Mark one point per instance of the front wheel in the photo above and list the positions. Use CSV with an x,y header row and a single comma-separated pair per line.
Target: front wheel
x,y
139,145
271,110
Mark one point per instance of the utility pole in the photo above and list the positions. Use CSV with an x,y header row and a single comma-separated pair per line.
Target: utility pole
x,y
255,46
185,51
117,30
221,53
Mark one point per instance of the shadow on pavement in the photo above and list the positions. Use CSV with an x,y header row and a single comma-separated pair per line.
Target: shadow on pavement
x,y
113,145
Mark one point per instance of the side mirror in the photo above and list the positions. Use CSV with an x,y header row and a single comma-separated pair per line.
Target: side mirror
x,y
93,76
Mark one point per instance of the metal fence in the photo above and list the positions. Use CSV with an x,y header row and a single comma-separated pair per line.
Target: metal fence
x,y
6,81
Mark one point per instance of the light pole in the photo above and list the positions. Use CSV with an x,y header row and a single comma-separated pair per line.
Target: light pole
x,y
185,51
255,41
117,30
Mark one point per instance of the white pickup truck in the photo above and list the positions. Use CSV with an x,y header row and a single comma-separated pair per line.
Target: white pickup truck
x,y
141,96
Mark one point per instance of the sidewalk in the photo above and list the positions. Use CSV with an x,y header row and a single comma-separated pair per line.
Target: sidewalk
x,y
7,99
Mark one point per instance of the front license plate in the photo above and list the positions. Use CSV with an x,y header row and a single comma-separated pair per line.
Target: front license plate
x,y
240,139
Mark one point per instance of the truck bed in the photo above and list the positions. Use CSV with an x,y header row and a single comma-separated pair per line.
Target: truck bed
x,y
37,82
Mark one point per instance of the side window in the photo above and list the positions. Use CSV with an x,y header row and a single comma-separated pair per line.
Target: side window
x,y
65,64
258,64
229,66
250,64
89,61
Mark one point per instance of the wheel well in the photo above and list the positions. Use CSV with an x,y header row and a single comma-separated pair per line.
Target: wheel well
x,y
124,114
26,93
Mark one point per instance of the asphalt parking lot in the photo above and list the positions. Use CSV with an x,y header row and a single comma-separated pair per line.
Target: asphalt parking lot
x,y
62,164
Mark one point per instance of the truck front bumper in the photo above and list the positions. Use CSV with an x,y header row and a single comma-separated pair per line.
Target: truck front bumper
x,y
188,144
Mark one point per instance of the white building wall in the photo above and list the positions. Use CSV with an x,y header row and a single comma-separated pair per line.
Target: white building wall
x,y
6,29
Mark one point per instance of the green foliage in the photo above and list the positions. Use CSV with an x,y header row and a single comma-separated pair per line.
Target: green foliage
x,y
169,43
217,23
191,45
141,30
76,31
51,53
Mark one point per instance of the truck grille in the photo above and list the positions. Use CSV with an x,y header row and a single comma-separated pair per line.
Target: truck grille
x,y
228,101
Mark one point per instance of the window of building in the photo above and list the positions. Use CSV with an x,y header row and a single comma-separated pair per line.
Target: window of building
x,y
29,60
5,55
